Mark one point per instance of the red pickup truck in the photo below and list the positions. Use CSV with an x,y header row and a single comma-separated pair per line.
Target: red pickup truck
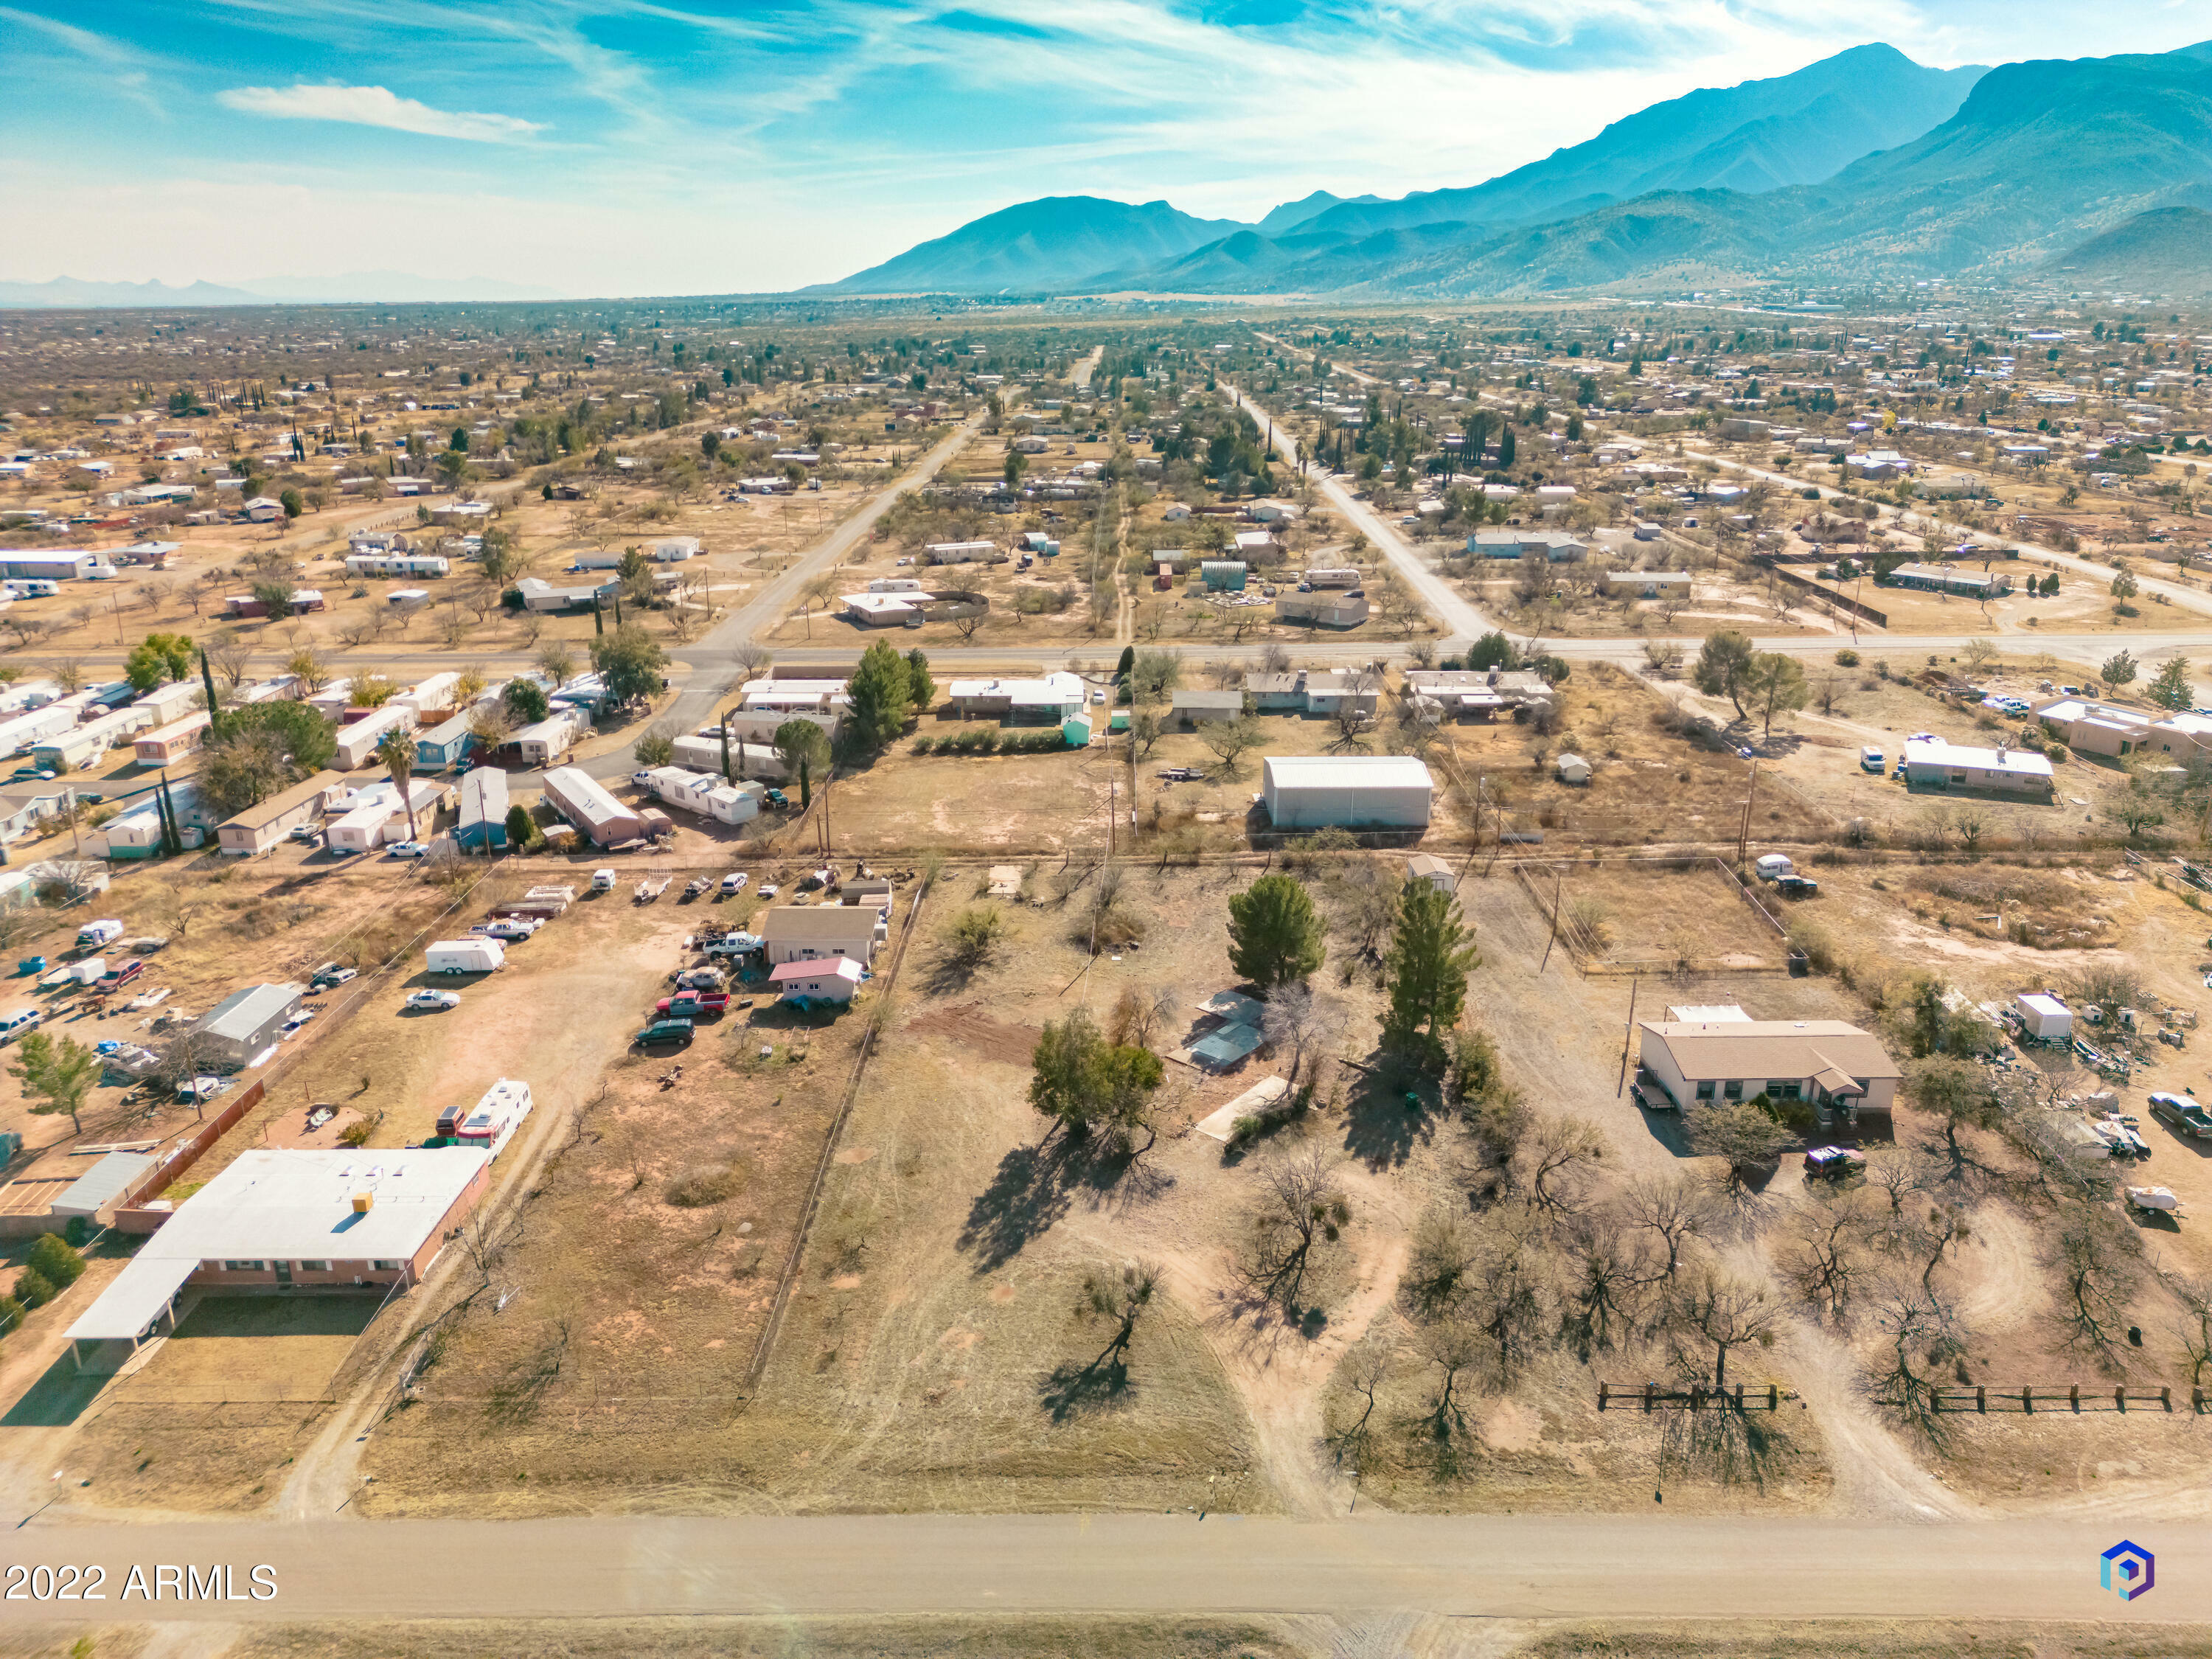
x,y
693,1004
119,976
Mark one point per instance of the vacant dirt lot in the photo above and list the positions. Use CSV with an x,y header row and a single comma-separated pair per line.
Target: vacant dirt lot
x,y
601,1356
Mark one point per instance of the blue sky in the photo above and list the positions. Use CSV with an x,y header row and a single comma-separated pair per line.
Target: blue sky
x,y
661,146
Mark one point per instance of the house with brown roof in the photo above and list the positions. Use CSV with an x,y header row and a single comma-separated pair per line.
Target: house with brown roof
x,y
1834,1065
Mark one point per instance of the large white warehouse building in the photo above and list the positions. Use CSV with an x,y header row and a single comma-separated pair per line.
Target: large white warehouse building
x,y
1353,792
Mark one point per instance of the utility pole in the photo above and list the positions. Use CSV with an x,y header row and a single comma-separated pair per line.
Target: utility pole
x,y
1628,1037
1743,833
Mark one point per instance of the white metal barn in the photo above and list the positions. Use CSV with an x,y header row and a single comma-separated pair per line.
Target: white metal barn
x,y
1314,792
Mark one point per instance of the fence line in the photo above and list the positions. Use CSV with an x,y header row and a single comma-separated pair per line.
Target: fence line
x,y
812,1206
2025,1397
1766,1397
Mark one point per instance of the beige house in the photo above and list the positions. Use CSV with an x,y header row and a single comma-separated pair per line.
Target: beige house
x,y
823,933
260,827
1841,1069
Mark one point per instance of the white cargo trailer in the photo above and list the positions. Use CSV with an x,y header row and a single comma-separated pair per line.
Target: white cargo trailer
x,y
465,955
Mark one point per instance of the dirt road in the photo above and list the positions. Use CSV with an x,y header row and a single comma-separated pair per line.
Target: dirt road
x,y
1493,1566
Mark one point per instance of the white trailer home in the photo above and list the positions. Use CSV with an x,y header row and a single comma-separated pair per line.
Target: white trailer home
x,y
395,564
165,704
357,744
747,760
70,749
548,742
705,794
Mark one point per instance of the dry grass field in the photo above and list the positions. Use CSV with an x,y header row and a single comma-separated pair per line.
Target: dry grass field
x,y
641,1265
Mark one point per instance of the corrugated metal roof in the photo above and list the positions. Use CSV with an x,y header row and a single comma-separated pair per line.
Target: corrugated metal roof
x,y
104,1181
1348,772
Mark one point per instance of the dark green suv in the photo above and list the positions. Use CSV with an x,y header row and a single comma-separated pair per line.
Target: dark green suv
x,y
675,1031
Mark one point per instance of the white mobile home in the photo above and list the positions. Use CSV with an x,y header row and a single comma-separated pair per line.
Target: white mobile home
x,y
357,744
705,794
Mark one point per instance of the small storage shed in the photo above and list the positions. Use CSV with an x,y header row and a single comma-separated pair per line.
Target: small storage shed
x,y
1573,769
93,1195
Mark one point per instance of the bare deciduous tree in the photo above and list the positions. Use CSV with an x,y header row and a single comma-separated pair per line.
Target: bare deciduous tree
x,y
1301,1210
1299,1021
1710,1309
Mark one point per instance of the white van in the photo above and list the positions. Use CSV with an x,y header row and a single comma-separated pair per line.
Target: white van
x,y
1870,759
23,1020
1773,866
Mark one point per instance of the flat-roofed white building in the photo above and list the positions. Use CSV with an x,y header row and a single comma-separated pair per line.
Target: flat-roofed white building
x,y
273,1219
1931,762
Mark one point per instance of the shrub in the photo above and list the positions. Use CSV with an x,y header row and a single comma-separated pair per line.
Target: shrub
x,y
33,1289
51,1258
1847,658
2055,754
11,1313
923,745
696,1189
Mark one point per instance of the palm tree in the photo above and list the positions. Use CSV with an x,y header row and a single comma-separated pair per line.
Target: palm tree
x,y
396,751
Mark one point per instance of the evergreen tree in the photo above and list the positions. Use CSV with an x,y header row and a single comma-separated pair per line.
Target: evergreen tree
x,y
921,686
1426,971
882,692
2170,687
1275,934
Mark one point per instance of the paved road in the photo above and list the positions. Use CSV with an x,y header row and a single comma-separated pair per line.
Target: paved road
x,y
1460,620
1489,1566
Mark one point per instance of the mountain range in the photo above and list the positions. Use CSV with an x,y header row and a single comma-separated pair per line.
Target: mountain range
x,y
358,287
1864,165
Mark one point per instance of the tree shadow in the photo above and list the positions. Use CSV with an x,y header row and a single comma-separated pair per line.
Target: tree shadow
x,y
1070,1389
516,1397
1030,1191
1034,1185
1386,1114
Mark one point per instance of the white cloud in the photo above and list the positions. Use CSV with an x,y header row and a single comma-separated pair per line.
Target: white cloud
x,y
376,106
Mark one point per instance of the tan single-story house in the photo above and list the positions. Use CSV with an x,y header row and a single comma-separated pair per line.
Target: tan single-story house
x,y
1836,1066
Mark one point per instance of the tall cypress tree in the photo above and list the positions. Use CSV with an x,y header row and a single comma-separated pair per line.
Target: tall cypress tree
x,y
726,777
214,706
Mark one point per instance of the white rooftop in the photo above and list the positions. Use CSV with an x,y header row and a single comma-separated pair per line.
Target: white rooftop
x,y
1348,772
1934,752
287,1206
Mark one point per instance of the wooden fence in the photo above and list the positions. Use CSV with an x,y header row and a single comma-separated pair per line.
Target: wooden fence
x,y
1649,1396
131,1215
2028,1398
